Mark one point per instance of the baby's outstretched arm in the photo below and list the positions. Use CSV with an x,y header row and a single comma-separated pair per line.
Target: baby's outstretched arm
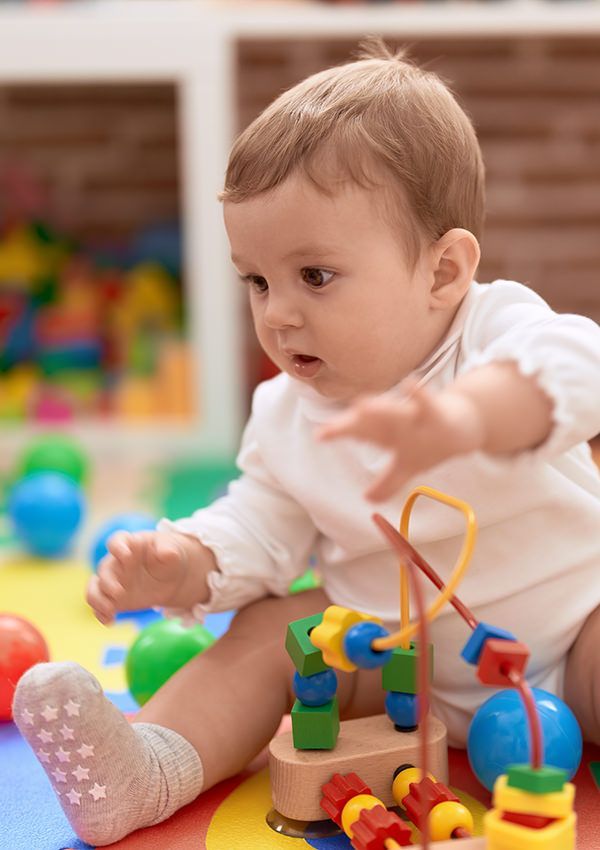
x,y
150,568
494,409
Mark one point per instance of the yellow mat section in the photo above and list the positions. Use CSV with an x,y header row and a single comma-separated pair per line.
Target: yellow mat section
x,y
50,594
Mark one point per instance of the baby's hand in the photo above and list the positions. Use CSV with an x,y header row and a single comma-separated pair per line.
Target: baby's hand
x,y
142,569
421,430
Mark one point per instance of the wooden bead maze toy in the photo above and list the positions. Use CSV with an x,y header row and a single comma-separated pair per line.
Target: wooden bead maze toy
x,y
353,771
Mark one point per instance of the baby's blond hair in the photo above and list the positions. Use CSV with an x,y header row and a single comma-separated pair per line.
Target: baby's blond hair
x,y
380,121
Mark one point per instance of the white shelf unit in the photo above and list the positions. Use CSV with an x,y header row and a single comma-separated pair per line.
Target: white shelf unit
x,y
192,43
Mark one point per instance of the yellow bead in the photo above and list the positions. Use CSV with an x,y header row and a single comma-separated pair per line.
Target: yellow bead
x,y
446,817
353,808
402,782
328,636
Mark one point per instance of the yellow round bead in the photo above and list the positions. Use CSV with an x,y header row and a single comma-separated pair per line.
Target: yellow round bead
x,y
401,784
353,808
446,817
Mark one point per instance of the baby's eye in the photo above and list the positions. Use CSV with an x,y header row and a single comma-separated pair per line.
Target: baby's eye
x,y
258,283
317,278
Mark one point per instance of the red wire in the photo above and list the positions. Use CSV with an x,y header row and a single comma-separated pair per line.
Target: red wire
x,y
533,717
423,699
422,661
460,832
404,548
414,559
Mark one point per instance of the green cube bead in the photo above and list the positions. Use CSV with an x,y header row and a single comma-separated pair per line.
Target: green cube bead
x,y
307,658
315,727
543,780
401,671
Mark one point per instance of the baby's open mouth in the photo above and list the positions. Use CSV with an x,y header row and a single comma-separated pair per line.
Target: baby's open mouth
x,y
305,366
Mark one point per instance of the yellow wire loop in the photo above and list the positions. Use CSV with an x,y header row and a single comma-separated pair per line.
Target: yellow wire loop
x,y
401,637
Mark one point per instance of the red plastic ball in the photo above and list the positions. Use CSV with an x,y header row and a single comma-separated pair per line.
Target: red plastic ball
x,y
21,646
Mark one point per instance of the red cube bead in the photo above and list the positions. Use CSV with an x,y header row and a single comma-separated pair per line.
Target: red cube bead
x,y
497,657
338,791
375,825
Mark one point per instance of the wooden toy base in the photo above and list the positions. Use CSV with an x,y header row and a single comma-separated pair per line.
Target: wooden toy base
x,y
369,746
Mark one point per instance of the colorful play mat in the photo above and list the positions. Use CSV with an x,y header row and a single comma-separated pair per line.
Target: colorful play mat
x,y
231,816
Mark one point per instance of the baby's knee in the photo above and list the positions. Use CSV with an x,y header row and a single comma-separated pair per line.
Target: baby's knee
x,y
267,619
582,677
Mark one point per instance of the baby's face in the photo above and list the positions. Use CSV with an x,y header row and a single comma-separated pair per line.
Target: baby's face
x,y
334,302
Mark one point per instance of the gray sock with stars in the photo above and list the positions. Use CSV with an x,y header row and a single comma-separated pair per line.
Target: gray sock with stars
x,y
111,777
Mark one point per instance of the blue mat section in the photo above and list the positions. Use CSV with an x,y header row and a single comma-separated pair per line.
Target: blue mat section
x,y
217,624
114,655
335,842
34,820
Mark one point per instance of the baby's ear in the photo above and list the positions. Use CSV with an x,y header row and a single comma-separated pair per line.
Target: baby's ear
x,y
455,257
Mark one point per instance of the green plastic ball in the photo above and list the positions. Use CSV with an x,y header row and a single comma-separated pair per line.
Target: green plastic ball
x,y
158,652
55,453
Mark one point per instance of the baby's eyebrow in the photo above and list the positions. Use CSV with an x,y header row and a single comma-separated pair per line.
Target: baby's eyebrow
x,y
309,251
319,252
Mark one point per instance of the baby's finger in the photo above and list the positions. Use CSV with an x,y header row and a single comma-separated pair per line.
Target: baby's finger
x,y
388,484
110,580
340,426
120,545
100,604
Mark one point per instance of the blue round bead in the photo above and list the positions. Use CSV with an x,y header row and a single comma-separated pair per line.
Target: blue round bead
x,y
317,689
357,645
402,709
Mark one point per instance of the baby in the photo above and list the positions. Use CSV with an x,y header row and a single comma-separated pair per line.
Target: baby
x,y
354,206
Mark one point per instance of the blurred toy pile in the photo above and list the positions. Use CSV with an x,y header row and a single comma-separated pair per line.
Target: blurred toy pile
x,y
90,334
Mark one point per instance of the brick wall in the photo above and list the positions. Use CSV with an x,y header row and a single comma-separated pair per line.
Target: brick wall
x,y
99,160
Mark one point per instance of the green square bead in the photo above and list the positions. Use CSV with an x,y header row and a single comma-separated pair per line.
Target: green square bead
x,y
543,780
307,658
401,671
315,727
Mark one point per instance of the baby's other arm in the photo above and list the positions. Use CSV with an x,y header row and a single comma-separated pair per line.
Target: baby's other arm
x,y
528,379
150,568
493,408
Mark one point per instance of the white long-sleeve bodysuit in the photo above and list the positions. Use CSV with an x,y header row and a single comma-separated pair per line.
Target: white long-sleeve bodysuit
x,y
536,567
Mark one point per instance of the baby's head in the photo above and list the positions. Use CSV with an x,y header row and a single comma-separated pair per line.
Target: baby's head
x,y
353,205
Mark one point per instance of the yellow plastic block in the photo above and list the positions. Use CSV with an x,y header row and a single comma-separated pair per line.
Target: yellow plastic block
x,y
503,835
558,804
328,636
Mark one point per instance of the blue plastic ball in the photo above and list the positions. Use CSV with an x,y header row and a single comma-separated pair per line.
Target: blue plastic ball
x,y
317,689
499,735
122,522
357,645
402,709
46,509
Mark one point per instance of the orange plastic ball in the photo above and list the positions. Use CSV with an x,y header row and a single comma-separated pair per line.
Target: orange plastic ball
x,y
21,646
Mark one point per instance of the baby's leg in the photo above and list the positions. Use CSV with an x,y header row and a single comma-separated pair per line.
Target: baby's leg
x,y
228,702
582,678
204,725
